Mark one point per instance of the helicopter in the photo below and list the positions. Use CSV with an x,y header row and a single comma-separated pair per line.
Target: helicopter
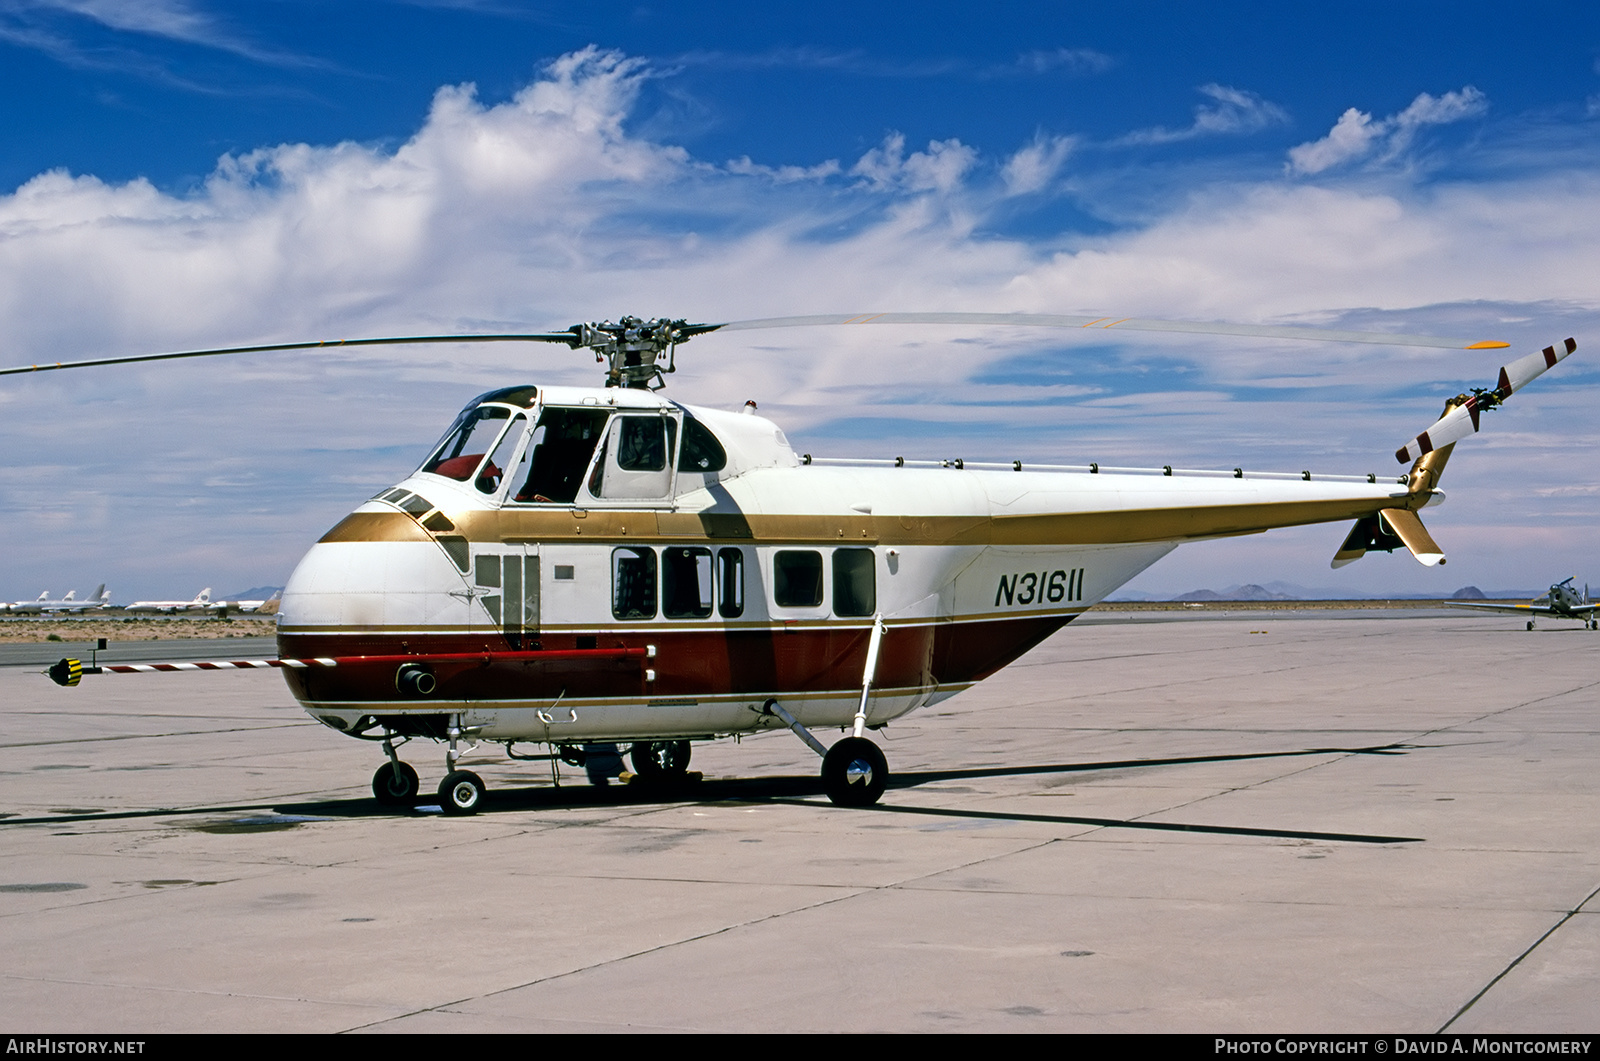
x,y
1561,601
573,567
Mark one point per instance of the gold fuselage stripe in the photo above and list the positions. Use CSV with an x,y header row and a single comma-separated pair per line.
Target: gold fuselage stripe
x,y
1116,527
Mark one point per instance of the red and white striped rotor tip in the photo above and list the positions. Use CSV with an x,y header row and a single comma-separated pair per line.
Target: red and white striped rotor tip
x,y
1462,420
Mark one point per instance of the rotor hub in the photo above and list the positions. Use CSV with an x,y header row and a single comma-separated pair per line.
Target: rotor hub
x,y
632,348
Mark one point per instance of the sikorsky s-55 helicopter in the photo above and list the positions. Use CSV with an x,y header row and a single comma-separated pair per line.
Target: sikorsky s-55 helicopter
x,y
1561,602
571,566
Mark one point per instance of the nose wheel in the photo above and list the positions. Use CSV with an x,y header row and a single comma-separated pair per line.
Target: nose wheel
x,y
461,793
854,772
394,783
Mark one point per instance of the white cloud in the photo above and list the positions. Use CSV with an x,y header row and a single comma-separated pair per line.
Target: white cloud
x,y
1036,164
938,169
1072,60
1232,112
48,25
785,174
1355,135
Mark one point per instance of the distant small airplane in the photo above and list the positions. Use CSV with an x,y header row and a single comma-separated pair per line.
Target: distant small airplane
x,y
201,602
70,603
1562,602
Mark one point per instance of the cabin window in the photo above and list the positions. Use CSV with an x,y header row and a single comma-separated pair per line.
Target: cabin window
x,y
474,431
797,578
552,467
730,582
641,444
686,582
633,583
855,590
701,450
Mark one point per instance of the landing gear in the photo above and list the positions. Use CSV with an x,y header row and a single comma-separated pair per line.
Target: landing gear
x,y
395,783
461,793
854,772
660,760
1530,624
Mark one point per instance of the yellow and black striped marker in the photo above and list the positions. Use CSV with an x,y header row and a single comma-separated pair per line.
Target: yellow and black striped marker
x,y
67,672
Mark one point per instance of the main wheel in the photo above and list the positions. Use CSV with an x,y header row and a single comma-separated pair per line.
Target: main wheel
x,y
461,793
854,772
1530,624
394,783
660,760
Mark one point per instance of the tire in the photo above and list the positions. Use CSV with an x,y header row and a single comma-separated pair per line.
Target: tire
x,y
660,760
854,772
394,784
461,793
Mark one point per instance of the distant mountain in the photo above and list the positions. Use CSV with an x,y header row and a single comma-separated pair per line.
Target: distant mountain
x,y
1249,591
253,593
1467,593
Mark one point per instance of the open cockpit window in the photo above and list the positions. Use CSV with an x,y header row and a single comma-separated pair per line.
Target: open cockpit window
x,y
552,467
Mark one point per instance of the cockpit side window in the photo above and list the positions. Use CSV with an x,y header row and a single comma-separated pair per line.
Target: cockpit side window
x,y
475,430
701,451
552,466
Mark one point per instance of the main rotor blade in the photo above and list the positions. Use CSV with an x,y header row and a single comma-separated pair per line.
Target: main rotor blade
x,y
542,337
1126,324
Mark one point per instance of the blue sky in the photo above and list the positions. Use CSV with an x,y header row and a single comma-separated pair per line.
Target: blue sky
x,y
178,173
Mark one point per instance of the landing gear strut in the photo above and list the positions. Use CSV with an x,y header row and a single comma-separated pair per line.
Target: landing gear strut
x,y
854,771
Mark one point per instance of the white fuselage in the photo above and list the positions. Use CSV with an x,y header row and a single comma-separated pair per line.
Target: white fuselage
x,y
622,600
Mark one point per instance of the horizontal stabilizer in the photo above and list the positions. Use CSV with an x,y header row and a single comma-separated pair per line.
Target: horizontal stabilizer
x,y
1408,528
1461,417
1387,531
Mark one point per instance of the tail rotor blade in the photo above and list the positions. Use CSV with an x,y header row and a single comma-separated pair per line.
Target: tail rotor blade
x,y
1461,417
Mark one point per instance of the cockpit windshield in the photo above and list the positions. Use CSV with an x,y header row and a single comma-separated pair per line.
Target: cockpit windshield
x,y
470,438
